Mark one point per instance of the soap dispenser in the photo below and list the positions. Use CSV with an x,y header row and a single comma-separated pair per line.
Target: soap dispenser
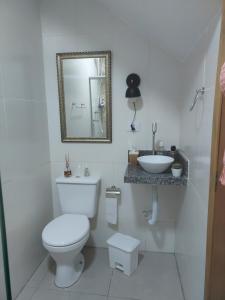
x,y
132,156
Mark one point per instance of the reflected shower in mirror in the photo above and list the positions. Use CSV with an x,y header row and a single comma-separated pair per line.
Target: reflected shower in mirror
x,y
84,81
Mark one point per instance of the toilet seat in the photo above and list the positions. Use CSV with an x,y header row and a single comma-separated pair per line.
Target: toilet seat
x,y
66,230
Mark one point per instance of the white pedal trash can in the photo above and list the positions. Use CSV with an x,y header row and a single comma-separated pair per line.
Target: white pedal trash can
x,y
123,253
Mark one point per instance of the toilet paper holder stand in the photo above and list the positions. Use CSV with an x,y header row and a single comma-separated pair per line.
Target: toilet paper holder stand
x,y
113,192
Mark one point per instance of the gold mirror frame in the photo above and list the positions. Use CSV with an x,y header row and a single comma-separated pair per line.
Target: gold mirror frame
x,y
73,55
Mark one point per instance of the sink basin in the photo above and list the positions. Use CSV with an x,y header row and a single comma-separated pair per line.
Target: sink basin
x,y
155,163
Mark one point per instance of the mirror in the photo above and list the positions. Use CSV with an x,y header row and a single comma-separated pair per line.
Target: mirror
x,y
84,83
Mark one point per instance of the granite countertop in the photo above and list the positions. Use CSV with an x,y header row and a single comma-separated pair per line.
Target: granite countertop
x,y
136,174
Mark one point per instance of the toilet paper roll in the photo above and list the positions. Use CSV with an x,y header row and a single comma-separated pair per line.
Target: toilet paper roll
x,y
111,210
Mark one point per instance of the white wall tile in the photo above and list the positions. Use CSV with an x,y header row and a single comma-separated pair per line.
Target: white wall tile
x,y
24,151
65,32
134,199
196,132
27,210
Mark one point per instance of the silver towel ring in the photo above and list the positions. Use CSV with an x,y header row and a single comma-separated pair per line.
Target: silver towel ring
x,y
199,92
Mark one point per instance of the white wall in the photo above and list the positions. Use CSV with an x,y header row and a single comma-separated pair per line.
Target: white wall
x,y
24,151
196,130
85,26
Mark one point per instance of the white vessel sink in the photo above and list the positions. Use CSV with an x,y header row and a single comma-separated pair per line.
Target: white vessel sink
x,y
155,163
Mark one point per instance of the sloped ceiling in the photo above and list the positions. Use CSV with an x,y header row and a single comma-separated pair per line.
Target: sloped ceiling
x,y
176,25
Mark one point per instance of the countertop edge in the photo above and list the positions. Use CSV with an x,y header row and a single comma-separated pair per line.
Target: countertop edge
x,y
136,175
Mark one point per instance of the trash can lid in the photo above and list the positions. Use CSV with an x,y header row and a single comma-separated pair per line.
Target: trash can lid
x,y
123,242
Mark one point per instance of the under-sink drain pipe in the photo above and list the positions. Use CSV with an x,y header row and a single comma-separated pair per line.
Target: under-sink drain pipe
x,y
151,215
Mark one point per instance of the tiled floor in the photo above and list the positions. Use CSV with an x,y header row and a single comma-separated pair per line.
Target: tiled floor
x,y
155,279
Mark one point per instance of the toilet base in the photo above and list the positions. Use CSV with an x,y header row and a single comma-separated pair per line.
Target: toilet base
x,y
67,275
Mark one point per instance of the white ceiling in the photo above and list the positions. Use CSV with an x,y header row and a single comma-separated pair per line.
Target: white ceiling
x,y
176,25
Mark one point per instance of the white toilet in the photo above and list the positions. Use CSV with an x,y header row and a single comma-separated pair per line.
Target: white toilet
x,y
66,235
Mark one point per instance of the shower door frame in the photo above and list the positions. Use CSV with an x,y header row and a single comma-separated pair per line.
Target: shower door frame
x,y
214,274
3,242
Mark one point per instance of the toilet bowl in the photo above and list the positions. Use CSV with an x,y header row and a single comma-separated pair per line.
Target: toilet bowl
x,y
64,238
66,235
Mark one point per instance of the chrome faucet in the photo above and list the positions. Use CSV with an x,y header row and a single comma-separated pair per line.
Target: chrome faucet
x,y
154,130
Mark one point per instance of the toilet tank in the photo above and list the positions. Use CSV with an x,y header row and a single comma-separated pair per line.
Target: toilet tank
x,y
78,195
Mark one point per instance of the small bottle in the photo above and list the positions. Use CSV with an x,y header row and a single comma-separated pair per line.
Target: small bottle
x,y
79,171
173,150
86,172
160,148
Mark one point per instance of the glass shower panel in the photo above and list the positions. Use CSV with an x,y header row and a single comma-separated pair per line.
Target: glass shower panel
x,y
3,295
5,288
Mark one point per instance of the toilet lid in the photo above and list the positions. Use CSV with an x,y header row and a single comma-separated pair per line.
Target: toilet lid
x,y
65,230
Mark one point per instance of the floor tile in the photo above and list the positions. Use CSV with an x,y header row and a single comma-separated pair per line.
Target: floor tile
x,y
26,293
48,282
40,273
112,298
155,278
82,296
97,274
95,278
50,295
